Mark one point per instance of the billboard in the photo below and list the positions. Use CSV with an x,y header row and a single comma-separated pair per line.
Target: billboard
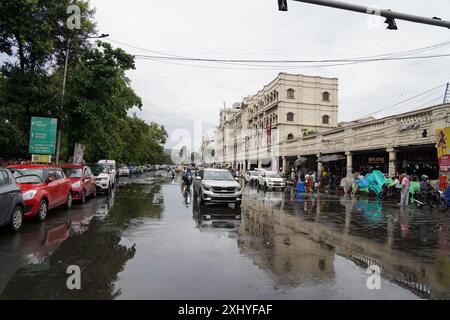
x,y
443,150
78,153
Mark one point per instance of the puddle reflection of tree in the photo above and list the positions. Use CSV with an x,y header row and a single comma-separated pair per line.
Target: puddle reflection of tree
x,y
97,252
137,201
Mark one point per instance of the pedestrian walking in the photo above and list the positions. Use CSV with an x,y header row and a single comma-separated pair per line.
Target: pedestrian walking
x,y
405,191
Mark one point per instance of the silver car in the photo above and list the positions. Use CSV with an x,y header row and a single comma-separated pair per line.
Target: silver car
x,y
217,186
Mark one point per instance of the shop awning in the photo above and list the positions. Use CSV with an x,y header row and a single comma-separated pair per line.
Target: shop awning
x,y
331,158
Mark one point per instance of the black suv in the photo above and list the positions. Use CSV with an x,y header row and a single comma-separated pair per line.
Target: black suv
x,y
11,201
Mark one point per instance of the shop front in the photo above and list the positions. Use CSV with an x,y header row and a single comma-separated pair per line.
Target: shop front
x,y
418,160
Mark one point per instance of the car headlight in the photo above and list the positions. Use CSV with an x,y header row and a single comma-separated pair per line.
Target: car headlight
x,y
206,187
76,184
29,194
238,189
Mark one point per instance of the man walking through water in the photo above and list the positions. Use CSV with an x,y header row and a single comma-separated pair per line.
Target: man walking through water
x,y
405,191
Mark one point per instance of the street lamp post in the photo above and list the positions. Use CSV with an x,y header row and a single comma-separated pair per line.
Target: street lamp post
x,y
58,144
388,14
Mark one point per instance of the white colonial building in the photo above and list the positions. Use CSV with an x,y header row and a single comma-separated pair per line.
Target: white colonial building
x,y
296,117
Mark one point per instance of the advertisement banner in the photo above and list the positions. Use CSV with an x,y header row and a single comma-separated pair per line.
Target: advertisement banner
x,y
41,158
78,153
443,150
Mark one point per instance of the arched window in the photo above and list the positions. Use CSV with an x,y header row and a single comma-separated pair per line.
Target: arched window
x,y
290,136
325,119
290,116
326,96
291,93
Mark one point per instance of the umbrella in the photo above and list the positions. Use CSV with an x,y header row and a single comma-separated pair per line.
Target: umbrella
x,y
299,161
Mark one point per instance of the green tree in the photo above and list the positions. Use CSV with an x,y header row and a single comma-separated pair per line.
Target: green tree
x,y
34,38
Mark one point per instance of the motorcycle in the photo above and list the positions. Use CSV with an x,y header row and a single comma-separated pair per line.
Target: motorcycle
x,y
431,198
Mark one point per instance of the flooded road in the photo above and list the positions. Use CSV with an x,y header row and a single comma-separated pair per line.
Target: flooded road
x,y
147,241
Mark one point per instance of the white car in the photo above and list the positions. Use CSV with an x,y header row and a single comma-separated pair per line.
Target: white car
x,y
112,165
124,171
105,177
251,176
271,180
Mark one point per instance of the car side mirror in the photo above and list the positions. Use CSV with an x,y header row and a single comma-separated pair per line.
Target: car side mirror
x,y
198,178
237,179
50,179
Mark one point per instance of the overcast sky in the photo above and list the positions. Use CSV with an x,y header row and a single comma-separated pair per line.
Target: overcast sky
x,y
178,95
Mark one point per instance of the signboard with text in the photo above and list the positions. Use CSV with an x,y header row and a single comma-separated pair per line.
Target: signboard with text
x,y
41,158
43,135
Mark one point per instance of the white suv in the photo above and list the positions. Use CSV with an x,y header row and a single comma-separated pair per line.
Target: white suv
x,y
105,177
271,180
251,177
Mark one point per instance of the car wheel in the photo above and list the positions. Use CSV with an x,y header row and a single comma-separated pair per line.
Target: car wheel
x,y
108,190
16,219
69,201
94,193
83,197
42,210
265,186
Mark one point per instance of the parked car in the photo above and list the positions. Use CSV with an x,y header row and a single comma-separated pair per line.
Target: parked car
x,y
133,169
217,186
251,177
11,202
83,181
271,180
44,187
112,165
105,178
124,171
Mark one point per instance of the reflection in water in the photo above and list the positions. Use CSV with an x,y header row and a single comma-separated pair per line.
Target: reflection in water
x,y
299,242
88,236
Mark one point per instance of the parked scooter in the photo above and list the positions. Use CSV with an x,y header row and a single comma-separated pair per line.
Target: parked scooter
x,y
431,198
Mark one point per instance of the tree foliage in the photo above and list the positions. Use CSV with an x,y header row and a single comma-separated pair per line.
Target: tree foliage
x,y
34,39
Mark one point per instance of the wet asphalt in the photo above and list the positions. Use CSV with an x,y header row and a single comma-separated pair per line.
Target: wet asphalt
x,y
148,241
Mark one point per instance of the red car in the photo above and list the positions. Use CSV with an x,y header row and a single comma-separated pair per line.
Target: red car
x,y
83,181
44,187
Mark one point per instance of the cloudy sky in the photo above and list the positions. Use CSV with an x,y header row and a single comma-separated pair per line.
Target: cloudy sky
x,y
177,94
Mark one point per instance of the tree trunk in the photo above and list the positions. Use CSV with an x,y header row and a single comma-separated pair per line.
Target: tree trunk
x,y
21,53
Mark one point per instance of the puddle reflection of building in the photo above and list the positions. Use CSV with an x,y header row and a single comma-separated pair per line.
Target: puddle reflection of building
x,y
364,239
268,237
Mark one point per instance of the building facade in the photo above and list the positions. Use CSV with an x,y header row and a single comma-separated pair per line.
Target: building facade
x,y
295,117
250,133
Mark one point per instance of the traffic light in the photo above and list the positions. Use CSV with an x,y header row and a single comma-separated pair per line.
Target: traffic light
x,y
391,23
282,5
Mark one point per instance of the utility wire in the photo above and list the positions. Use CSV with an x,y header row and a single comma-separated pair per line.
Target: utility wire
x,y
404,101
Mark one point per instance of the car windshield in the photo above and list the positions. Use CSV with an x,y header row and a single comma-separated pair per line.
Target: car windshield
x,y
99,168
28,175
217,175
272,175
72,172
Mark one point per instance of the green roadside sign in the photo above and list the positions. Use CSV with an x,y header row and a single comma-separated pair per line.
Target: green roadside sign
x,y
43,135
